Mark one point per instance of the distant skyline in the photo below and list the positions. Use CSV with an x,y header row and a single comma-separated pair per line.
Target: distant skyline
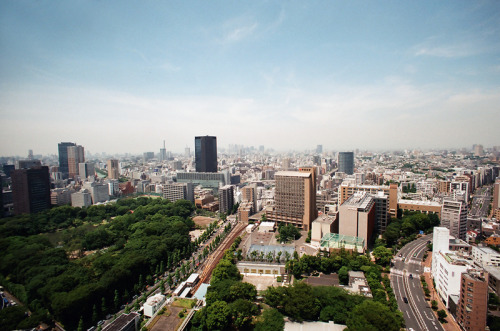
x,y
122,76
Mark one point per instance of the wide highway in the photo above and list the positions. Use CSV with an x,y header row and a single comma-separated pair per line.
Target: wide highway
x,y
405,281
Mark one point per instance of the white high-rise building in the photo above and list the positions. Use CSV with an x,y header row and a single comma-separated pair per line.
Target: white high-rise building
x,y
178,191
454,217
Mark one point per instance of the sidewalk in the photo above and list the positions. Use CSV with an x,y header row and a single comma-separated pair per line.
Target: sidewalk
x,y
452,324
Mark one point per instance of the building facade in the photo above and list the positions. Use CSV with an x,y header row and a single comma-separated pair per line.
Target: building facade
x,y
63,157
178,191
346,162
30,190
226,199
473,304
357,216
113,169
76,155
454,217
205,149
293,199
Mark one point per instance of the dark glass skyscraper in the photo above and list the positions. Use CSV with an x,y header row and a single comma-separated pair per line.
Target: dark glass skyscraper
x,y
205,153
31,190
346,162
63,158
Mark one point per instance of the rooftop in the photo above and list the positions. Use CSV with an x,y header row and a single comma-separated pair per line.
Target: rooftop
x,y
293,174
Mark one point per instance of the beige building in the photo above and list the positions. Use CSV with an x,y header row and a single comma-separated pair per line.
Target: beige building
x,y
346,190
178,191
113,172
427,207
324,224
357,216
75,156
295,198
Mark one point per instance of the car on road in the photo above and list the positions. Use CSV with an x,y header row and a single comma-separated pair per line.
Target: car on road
x,y
405,299
411,276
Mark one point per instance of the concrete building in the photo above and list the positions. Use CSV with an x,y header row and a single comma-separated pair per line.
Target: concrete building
x,y
423,206
205,153
81,199
63,157
348,189
124,322
147,156
249,194
485,256
113,186
178,191
152,304
99,192
473,304
294,199
211,180
496,195
346,162
76,155
357,217
226,199
86,170
323,225
113,169
30,190
454,217
60,196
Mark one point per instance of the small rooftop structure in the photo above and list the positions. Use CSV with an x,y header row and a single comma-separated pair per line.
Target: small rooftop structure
x,y
202,292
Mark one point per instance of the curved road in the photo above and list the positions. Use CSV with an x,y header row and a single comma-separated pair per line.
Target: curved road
x,y
405,281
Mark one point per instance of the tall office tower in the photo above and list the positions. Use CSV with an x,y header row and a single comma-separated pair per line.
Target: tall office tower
x,y
496,195
30,154
63,158
76,155
286,164
319,149
261,149
113,171
478,150
178,191
149,156
86,170
454,218
472,307
163,152
346,162
226,199
31,190
205,153
357,216
187,152
293,199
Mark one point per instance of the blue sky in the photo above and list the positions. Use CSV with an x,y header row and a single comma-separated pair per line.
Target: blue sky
x,y
122,76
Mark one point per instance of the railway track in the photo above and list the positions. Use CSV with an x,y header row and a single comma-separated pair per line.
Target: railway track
x,y
215,257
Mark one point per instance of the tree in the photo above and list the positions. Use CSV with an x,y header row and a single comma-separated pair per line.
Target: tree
x,y
442,315
372,316
225,270
242,312
104,308
218,316
382,255
288,232
80,325
272,320
344,275
116,300
95,316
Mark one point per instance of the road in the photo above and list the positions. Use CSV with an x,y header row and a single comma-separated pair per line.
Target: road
x,y
417,312
480,202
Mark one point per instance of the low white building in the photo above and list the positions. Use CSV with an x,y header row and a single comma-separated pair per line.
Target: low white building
x,y
153,304
485,256
266,227
321,226
449,268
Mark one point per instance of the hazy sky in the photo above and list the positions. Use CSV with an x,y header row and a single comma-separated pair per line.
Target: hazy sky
x,y
122,76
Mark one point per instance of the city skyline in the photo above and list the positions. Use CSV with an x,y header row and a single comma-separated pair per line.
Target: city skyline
x,y
123,76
